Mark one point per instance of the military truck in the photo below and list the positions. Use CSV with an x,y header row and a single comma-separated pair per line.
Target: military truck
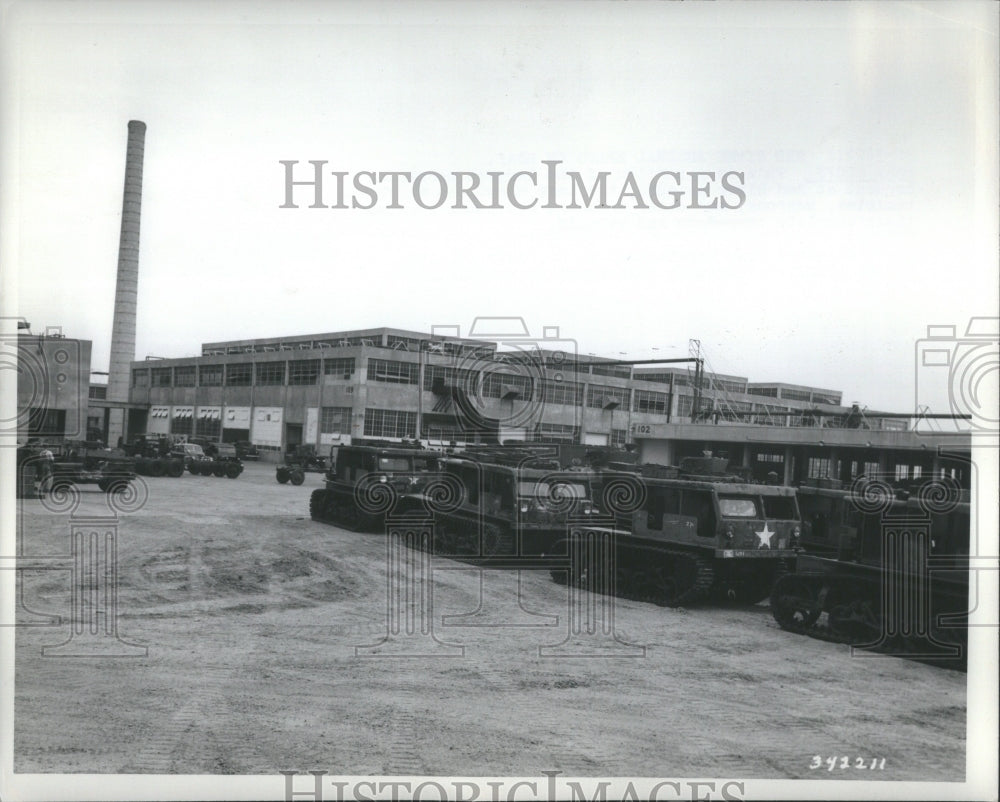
x,y
298,461
153,456
52,466
192,455
223,462
305,458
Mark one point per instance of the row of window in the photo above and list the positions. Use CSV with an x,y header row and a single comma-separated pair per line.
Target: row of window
x,y
299,372
397,423
307,372
201,427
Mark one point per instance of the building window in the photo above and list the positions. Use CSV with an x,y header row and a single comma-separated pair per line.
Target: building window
x,y
349,342
826,398
600,396
140,377
160,377
685,404
497,385
557,433
210,427
335,420
303,371
184,376
385,370
649,401
442,433
565,393
239,375
98,392
341,367
771,392
390,423
621,371
870,469
656,378
270,373
619,437
891,425
182,423
450,377
818,468
210,375
727,385
769,415
402,343
795,395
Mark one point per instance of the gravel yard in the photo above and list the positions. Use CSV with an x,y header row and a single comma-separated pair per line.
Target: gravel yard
x,y
263,632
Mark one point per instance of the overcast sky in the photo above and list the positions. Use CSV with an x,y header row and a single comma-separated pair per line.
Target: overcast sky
x,y
866,136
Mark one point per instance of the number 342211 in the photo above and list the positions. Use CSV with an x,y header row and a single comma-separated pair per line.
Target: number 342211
x,y
843,763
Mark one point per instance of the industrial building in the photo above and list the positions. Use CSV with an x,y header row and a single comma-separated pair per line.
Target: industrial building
x,y
53,379
329,389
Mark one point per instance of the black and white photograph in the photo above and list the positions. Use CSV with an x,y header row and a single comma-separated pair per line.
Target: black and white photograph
x,y
498,400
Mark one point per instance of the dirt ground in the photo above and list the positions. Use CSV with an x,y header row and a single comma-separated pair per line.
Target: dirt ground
x,y
258,625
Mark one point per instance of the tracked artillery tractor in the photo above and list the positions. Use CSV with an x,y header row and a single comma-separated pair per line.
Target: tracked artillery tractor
x,y
501,511
365,477
901,587
686,534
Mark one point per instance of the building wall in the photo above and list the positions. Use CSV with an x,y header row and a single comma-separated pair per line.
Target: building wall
x,y
52,386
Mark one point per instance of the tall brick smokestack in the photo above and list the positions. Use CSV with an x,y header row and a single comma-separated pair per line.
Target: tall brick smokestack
x,y
127,290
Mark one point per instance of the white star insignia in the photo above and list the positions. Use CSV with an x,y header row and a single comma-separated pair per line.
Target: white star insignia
x,y
765,537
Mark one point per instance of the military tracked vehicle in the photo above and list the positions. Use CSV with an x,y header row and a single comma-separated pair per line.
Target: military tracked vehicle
x,y
684,534
365,476
484,508
894,575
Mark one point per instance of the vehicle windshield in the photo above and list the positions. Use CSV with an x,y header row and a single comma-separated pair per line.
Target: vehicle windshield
x,y
738,507
554,490
393,464
193,449
780,507
424,465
